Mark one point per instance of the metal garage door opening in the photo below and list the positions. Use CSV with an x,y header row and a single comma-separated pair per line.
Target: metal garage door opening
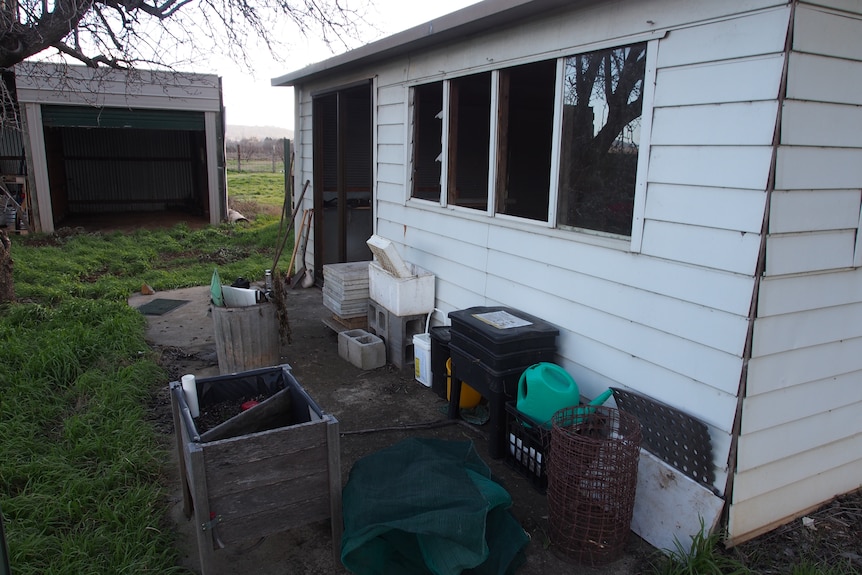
x,y
116,161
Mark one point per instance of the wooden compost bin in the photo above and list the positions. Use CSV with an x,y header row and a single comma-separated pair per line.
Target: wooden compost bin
x,y
271,468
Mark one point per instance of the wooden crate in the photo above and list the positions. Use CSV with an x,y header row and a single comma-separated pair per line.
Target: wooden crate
x,y
269,469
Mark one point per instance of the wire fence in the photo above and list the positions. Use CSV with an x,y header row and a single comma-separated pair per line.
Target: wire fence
x,y
255,156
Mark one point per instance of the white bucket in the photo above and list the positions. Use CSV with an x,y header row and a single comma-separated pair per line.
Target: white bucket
x,y
422,358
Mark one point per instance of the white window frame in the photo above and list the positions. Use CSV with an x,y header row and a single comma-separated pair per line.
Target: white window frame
x,y
635,240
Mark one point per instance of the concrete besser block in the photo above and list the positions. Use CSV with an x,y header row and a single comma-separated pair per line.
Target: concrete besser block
x,y
362,349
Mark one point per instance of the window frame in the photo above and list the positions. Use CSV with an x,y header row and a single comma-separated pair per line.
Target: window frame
x,y
635,240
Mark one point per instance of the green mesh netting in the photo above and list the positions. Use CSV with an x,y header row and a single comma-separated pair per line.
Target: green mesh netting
x,y
428,506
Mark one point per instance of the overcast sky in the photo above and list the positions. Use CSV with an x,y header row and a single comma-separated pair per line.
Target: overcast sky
x,y
252,101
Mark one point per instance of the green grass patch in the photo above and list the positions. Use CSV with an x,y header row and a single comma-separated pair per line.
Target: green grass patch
x,y
81,467
49,269
261,187
79,464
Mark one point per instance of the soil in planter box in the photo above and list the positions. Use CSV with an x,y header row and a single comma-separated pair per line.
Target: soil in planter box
x,y
217,413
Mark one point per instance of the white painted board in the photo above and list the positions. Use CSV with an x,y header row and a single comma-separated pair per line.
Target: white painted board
x,y
669,506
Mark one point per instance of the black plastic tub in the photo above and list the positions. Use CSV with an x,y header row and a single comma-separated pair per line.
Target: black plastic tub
x,y
502,330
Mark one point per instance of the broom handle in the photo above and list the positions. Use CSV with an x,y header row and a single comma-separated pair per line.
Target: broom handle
x,y
290,225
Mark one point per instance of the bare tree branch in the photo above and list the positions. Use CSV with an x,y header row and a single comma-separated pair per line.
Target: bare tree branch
x,y
165,33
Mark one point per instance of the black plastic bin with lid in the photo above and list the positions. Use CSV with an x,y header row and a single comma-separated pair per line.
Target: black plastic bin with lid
x,y
502,330
439,354
490,349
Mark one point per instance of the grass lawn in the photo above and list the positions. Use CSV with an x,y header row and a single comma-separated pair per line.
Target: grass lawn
x,y
80,467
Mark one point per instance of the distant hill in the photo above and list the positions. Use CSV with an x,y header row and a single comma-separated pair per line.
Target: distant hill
x,y
235,133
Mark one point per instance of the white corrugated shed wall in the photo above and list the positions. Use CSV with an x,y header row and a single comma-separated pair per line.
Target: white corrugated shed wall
x,y
669,322
801,434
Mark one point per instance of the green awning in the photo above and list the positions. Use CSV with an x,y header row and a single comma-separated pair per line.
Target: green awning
x,y
90,117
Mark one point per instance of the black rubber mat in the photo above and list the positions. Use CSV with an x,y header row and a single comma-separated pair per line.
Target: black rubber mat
x,y
161,306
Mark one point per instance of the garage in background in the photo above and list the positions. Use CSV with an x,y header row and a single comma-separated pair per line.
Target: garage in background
x,y
101,142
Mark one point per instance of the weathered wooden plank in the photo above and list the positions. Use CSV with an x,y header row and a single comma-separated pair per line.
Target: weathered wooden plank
x,y
789,404
198,485
741,167
271,414
248,448
787,332
778,370
742,80
820,124
724,208
761,514
230,478
669,505
749,35
824,79
780,295
806,210
272,519
841,41
809,252
334,476
716,124
776,443
708,247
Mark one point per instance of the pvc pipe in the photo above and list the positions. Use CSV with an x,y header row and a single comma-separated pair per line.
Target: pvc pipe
x,y
190,390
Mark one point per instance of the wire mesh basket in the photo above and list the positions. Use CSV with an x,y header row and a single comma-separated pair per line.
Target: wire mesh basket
x,y
592,478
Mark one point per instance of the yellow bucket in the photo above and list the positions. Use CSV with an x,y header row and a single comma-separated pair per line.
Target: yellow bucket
x,y
469,396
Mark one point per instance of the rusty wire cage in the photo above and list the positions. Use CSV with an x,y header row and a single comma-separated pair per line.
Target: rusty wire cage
x,y
592,477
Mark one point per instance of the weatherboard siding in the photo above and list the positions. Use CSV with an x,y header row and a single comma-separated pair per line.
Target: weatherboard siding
x,y
669,322
801,434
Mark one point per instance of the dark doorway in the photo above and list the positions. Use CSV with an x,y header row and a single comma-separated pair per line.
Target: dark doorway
x,y
343,218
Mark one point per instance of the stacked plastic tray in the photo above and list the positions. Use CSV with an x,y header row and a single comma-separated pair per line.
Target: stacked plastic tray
x,y
490,349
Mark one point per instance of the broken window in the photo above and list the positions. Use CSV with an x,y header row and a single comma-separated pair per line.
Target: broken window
x,y
593,101
427,140
469,140
525,133
602,104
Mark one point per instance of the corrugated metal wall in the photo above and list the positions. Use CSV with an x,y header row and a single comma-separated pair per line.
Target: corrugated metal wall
x,y
111,170
11,152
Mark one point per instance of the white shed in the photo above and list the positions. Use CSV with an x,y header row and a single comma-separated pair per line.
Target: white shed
x,y
103,141
676,184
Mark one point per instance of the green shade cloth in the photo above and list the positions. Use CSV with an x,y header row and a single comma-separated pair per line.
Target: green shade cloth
x,y
428,506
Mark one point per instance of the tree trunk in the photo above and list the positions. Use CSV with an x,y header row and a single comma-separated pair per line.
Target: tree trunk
x,y
7,283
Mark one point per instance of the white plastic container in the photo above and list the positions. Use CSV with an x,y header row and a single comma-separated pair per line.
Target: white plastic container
x,y
412,295
422,358
388,257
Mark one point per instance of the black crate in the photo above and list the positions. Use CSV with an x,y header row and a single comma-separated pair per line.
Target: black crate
x,y
483,378
503,361
527,447
536,333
